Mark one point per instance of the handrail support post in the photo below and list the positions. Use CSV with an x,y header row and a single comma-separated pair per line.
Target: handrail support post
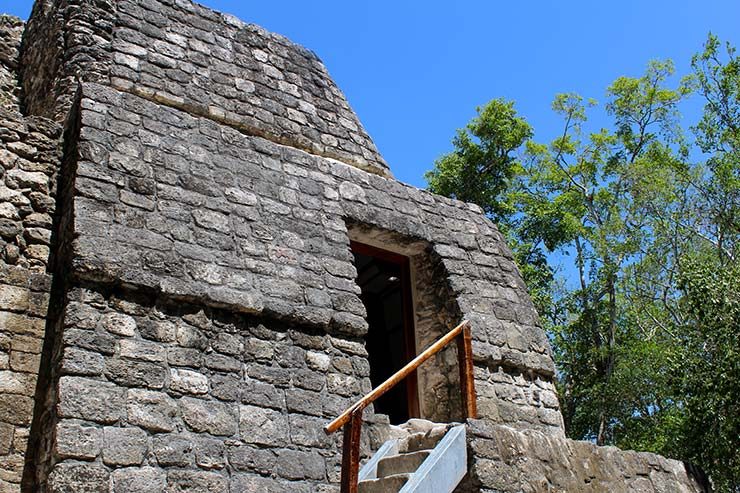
x,y
351,452
467,376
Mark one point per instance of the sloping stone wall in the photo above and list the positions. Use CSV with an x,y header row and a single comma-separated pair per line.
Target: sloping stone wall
x,y
194,58
506,460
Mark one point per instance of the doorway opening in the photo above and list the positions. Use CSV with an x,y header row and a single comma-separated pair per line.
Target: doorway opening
x,y
385,281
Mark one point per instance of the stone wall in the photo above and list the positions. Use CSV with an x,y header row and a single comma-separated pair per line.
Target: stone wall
x,y
505,460
29,160
11,29
212,214
154,394
23,303
65,41
196,59
435,311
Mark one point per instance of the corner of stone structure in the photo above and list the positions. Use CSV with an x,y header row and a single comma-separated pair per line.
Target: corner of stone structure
x,y
39,457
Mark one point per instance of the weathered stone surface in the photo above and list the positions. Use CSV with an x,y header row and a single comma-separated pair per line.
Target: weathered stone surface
x,y
188,382
263,426
506,460
173,450
119,324
29,159
124,446
153,411
92,400
214,417
204,481
138,479
79,477
75,441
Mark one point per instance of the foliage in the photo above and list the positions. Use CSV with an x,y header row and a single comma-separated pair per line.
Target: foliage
x,y
710,365
633,205
480,168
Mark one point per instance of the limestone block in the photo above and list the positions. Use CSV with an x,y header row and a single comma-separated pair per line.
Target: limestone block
x,y
138,479
79,477
188,382
153,411
93,400
263,426
214,417
173,449
74,441
196,481
124,446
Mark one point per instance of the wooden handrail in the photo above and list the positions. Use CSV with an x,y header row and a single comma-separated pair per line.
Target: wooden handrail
x,y
396,377
351,419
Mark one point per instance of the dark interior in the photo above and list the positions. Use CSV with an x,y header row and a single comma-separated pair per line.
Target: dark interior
x,y
383,279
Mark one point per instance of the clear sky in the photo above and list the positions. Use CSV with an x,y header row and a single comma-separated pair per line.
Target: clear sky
x,y
414,71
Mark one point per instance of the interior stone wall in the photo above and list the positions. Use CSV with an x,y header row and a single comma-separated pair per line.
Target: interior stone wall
x,y
435,313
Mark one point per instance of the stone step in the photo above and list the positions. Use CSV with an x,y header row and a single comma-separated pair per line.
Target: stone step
x,y
422,441
401,463
389,484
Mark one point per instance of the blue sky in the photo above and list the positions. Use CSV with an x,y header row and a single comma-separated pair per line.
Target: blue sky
x,y
415,71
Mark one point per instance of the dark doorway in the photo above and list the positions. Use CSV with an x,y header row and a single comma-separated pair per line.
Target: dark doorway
x,y
384,278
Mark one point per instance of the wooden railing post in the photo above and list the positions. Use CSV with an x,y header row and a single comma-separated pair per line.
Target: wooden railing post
x,y
467,378
351,452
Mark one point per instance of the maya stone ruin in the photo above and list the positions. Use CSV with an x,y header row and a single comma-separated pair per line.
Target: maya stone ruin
x,y
204,259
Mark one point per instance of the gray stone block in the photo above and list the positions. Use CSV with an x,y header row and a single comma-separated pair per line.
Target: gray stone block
x,y
214,417
138,479
124,446
92,400
153,411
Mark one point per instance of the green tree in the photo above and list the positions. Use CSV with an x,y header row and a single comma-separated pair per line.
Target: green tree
x,y
481,166
717,80
482,169
710,365
589,194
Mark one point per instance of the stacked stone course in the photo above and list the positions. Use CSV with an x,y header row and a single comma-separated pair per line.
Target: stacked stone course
x,y
507,460
182,395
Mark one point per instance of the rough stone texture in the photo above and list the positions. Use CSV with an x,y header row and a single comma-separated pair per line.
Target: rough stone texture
x,y
199,60
228,412
29,159
65,41
149,214
504,460
11,29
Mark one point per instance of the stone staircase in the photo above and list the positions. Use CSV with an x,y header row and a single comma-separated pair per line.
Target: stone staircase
x,y
424,457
